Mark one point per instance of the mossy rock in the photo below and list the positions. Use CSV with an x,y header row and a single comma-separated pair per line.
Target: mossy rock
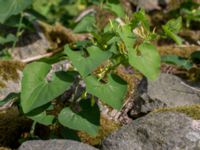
x,y
10,77
192,111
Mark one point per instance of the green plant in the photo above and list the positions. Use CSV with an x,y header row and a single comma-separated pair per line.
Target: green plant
x,y
189,10
12,7
172,27
7,10
191,15
94,63
114,46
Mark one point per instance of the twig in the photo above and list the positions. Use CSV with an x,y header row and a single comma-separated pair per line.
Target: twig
x,y
31,59
84,13
196,89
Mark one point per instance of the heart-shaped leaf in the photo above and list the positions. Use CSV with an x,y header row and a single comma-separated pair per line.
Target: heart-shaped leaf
x,y
43,118
12,7
37,90
86,120
146,59
112,93
86,65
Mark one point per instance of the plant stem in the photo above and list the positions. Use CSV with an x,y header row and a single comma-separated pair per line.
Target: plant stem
x,y
33,128
18,30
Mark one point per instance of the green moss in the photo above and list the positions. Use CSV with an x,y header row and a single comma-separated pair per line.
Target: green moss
x,y
2,85
192,111
9,71
4,148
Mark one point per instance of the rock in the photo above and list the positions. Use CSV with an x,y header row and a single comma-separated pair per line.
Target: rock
x,y
54,145
157,131
167,91
150,5
146,4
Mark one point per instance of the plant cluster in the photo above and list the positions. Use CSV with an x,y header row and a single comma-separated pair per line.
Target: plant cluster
x,y
114,46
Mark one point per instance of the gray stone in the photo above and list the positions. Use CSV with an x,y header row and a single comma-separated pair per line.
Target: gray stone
x,y
149,4
55,145
156,131
167,91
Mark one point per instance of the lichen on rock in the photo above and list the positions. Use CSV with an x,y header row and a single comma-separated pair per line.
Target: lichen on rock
x,y
162,130
192,111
